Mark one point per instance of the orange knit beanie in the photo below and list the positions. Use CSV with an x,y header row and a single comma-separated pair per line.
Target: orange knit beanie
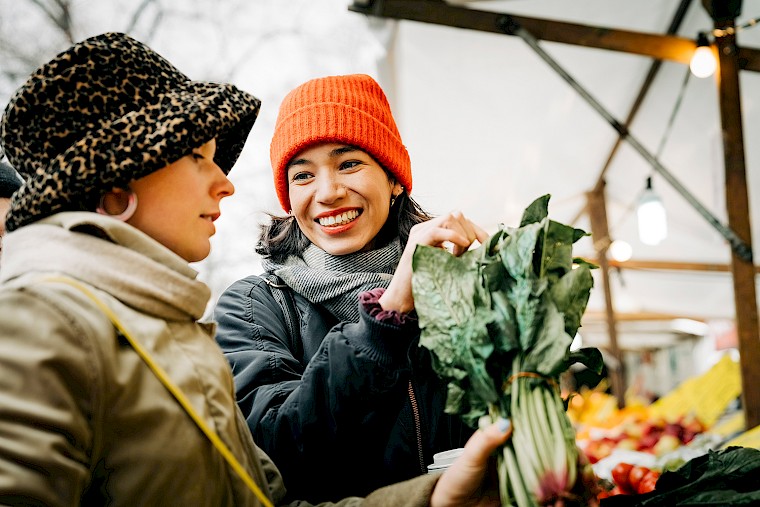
x,y
348,109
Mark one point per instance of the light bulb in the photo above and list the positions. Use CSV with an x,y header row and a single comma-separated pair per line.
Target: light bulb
x,y
620,250
703,62
653,225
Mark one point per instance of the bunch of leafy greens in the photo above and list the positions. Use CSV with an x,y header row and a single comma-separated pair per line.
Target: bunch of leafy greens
x,y
499,321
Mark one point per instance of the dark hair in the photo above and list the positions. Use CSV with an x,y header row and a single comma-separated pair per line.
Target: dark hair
x,y
9,180
282,237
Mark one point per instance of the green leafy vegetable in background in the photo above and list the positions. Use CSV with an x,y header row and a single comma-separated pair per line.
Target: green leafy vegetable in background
x,y
499,321
727,477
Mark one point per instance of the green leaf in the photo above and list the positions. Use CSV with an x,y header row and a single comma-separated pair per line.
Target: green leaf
x,y
447,360
506,336
548,356
444,287
517,253
571,294
588,356
524,296
536,211
455,398
557,250
476,348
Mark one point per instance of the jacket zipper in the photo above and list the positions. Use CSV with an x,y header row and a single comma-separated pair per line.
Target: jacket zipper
x,y
417,426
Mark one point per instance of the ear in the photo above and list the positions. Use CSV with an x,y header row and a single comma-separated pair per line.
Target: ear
x,y
114,202
397,189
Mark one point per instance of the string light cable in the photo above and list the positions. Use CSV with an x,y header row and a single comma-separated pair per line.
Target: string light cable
x,y
665,136
718,32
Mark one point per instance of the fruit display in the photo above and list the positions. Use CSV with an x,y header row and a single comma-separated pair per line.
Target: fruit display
x,y
655,436
630,479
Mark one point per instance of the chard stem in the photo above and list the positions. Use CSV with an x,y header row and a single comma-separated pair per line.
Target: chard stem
x,y
522,497
541,433
565,456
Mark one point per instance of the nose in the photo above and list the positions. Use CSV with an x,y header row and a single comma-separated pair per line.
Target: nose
x,y
329,188
223,186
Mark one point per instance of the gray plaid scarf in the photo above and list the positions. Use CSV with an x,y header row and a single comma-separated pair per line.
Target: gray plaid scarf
x,y
335,281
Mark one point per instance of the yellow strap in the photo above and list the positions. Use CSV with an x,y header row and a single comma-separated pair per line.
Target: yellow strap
x,y
176,392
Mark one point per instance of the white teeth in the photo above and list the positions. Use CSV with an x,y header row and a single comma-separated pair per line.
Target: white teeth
x,y
341,219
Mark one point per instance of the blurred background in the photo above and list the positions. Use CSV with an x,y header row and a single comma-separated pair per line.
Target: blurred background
x,y
490,126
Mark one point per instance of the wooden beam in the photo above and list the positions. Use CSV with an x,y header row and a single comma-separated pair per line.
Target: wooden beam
x,y
673,266
749,59
590,316
661,47
737,203
600,233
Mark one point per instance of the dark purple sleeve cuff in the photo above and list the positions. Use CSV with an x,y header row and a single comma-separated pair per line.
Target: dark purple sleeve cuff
x,y
369,300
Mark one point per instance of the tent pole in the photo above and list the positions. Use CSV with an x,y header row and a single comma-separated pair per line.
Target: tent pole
x,y
737,203
600,233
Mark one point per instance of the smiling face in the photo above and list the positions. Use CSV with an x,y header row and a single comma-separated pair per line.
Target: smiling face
x,y
177,205
340,197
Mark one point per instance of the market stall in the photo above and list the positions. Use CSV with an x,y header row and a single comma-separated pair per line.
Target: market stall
x,y
589,124
587,104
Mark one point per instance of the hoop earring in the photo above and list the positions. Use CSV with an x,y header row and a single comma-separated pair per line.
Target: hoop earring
x,y
124,215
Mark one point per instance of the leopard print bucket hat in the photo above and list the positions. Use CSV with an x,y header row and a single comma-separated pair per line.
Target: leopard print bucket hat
x,y
107,111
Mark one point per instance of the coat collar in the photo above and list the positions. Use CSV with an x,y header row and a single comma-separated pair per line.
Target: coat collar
x,y
109,255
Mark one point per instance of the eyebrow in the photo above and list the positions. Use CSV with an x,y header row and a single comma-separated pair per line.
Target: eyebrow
x,y
337,152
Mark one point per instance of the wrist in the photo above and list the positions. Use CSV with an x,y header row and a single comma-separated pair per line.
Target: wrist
x,y
370,301
390,302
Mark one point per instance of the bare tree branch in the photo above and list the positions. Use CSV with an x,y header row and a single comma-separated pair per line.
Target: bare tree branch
x,y
137,15
61,19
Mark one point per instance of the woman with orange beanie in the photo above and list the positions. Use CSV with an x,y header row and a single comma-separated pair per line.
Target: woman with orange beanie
x,y
324,345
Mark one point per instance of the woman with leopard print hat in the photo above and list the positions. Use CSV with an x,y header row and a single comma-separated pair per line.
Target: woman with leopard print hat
x,y
111,391
344,360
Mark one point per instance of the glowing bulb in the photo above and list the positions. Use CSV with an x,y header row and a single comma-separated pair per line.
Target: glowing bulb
x,y
620,250
653,225
703,62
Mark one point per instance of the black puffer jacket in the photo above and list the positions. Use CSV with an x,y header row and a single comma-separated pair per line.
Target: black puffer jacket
x,y
359,408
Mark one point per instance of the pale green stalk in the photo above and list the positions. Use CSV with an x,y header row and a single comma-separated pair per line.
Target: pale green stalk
x,y
560,465
541,435
564,428
522,497
525,453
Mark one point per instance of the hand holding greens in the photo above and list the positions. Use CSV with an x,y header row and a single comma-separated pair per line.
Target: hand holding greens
x,y
499,321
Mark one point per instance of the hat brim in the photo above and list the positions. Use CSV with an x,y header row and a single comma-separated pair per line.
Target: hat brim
x,y
137,144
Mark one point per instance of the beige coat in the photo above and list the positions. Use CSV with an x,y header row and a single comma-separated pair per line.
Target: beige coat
x,y
82,419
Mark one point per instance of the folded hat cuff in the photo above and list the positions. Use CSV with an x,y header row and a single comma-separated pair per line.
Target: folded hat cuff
x,y
339,123
135,145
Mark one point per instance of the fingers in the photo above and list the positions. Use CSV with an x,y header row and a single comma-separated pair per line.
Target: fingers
x,y
485,441
480,234
453,228
462,483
